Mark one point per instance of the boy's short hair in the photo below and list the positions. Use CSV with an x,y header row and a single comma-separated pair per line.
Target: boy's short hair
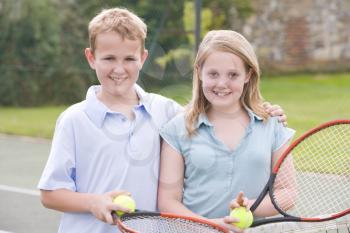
x,y
119,20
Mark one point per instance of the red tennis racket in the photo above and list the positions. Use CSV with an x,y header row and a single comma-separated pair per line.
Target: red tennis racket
x,y
152,222
311,180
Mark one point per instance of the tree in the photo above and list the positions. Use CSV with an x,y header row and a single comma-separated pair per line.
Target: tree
x,y
29,46
214,15
42,44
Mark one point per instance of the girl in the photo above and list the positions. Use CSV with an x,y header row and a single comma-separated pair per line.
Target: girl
x,y
224,142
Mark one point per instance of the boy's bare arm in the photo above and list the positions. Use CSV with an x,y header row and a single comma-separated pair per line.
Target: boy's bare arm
x,y
66,200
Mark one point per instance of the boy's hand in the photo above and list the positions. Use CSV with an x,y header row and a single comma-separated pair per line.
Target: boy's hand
x,y
101,206
276,110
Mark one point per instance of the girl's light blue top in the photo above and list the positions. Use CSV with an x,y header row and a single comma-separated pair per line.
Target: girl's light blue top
x,y
214,174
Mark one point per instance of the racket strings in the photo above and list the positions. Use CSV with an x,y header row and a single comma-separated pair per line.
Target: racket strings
x,y
161,224
314,179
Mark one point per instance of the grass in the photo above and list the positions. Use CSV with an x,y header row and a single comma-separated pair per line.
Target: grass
x,y
308,100
330,156
34,122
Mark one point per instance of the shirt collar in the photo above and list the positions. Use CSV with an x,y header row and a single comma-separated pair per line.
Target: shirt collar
x,y
144,98
203,119
97,111
253,116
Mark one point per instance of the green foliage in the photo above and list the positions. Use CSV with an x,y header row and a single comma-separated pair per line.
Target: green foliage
x,y
244,8
214,15
224,12
42,43
182,55
176,54
220,13
29,47
189,20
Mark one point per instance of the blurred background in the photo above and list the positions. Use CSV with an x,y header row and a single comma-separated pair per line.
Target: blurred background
x,y
304,51
303,48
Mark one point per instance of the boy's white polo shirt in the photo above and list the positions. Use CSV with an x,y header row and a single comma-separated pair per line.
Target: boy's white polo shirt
x,y
96,150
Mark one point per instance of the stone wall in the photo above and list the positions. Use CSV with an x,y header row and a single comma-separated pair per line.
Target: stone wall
x,y
300,35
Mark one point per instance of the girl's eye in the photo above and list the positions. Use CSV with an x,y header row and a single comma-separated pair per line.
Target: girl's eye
x,y
232,75
213,74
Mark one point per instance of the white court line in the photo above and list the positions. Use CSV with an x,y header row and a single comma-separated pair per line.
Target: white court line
x,y
19,190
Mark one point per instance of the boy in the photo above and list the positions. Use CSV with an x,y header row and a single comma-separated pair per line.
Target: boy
x,y
110,141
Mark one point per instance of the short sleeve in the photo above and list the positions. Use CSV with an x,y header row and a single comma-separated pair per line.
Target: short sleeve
x,y
282,135
171,133
162,109
174,108
59,171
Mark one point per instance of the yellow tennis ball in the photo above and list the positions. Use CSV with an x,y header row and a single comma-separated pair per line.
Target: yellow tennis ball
x,y
245,217
126,202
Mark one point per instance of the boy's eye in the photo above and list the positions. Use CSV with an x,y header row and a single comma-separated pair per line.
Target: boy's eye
x,y
130,59
108,58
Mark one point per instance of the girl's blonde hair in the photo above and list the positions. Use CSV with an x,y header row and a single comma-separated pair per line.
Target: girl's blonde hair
x,y
232,42
119,20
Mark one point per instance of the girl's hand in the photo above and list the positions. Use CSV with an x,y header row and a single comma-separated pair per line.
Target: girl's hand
x,y
276,110
227,223
101,206
239,201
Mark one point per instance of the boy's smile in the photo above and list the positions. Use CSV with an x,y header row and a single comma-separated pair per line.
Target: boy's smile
x,y
117,62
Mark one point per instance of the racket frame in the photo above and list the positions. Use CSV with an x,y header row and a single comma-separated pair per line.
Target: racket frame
x,y
268,189
195,220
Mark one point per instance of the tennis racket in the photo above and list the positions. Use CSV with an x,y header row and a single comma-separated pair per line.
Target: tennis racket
x,y
152,222
311,180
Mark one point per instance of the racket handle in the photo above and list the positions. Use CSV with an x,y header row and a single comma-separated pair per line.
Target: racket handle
x,y
274,220
260,197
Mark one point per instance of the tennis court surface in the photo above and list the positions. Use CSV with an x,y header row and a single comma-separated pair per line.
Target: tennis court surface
x,y
22,161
